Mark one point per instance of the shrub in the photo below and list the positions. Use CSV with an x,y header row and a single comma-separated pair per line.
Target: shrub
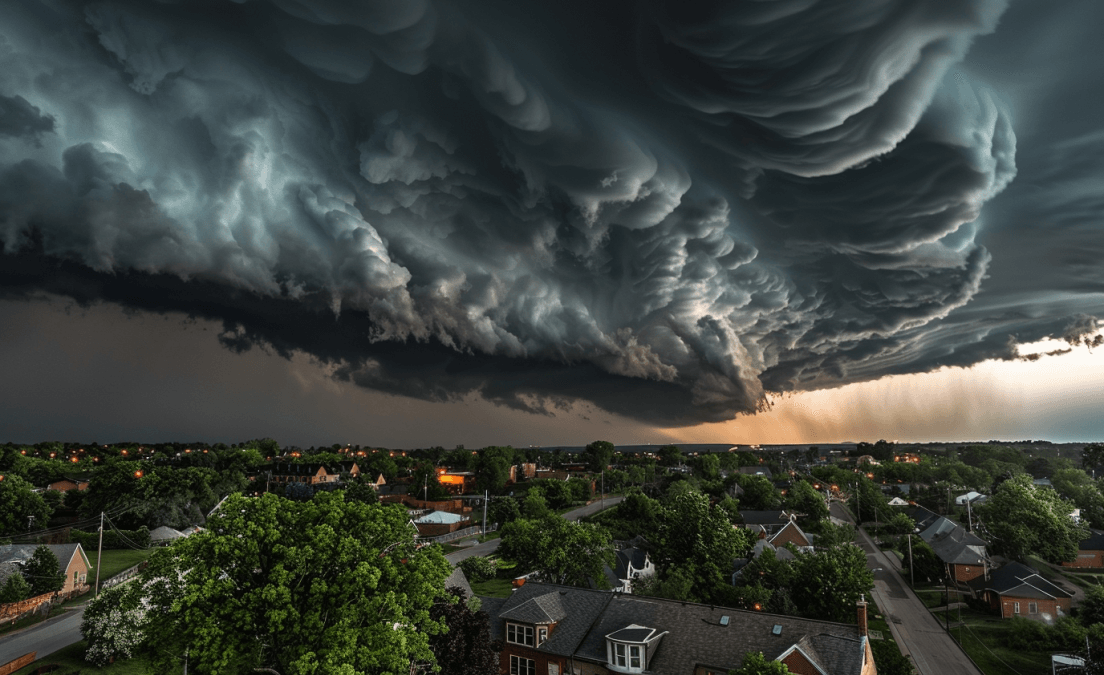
x,y
114,624
477,568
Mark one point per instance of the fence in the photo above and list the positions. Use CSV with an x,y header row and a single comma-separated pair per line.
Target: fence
x,y
123,576
12,666
14,610
459,534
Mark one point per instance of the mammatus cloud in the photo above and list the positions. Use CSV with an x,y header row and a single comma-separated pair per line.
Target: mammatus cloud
x,y
780,197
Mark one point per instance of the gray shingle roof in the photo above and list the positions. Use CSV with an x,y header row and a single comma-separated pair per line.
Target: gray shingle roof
x,y
459,580
763,518
1094,542
21,553
953,544
545,608
1021,581
637,557
580,606
686,634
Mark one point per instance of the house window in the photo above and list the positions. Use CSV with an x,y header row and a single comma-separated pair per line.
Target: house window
x,y
542,635
628,657
634,657
1015,608
1032,608
522,666
519,635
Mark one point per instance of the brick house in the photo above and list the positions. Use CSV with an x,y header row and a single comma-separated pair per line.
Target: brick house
x,y
963,553
791,533
72,563
1090,552
67,484
436,523
1018,590
560,630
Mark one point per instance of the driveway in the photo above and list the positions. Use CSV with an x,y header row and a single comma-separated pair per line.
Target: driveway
x,y
916,630
491,546
45,638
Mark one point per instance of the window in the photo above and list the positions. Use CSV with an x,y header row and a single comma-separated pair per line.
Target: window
x,y
519,635
634,657
629,657
1032,608
1015,608
619,655
542,635
522,666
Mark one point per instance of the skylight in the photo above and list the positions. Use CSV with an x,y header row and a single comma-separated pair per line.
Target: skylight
x,y
724,620
777,630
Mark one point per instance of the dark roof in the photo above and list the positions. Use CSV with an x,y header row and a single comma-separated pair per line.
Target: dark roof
x,y
1094,542
545,608
693,635
1021,581
923,517
492,606
763,517
683,635
953,544
637,557
580,608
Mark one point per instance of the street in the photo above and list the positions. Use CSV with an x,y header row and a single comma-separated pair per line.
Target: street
x,y
44,638
489,547
915,629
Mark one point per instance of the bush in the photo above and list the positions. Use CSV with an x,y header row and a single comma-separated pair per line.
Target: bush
x,y
478,568
15,589
889,660
112,539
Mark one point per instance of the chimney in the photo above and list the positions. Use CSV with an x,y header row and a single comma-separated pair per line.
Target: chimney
x,y
862,615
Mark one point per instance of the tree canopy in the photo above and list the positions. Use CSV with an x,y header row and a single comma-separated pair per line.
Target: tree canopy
x,y
1023,519
42,573
320,587
562,551
20,506
466,647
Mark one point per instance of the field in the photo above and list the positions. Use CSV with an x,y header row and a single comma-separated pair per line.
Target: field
x,y
980,636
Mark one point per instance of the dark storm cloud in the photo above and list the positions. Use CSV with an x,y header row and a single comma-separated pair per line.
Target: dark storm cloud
x,y
21,119
776,197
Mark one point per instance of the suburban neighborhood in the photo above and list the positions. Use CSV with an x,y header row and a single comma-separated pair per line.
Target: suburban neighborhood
x,y
584,560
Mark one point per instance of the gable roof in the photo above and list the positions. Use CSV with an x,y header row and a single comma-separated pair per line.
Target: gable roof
x,y
21,553
459,580
1021,581
443,517
692,634
792,525
953,544
545,608
580,608
636,557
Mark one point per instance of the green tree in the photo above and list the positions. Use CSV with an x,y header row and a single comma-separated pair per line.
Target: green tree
x,y
1078,487
361,489
465,648
669,455
889,660
321,587
757,664
1091,609
597,455
698,540
708,467
503,510
477,568
15,589
562,551
759,493
535,506
21,508
1092,455
803,499
492,470
1023,520
826,585
42,572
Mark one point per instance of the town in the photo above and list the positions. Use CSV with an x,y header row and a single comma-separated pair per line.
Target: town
x,y
848,558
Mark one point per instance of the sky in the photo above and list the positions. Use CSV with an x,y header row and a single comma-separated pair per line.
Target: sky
x,y
408,223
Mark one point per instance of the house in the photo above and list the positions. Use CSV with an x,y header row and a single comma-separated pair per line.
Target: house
x,y
765,523
436,523
632,562
562,630
962,552
312,473
897,501
970,497
456,482
1018,590
1090,552
72,563
67,484
791,533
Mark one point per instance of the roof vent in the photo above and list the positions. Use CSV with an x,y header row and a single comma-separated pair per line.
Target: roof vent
x,y
777,630
724,620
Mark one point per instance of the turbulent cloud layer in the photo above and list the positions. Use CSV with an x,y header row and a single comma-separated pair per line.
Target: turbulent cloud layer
x,y
666,209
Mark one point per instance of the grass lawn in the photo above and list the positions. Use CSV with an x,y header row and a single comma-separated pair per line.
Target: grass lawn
x,y
495,588
113,562
981,637
71,660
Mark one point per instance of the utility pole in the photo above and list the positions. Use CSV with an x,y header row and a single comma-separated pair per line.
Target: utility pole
x,y
969,514
912,572
99,555
485,498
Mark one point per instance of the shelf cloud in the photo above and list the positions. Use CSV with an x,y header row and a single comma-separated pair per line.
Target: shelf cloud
x,y
666,209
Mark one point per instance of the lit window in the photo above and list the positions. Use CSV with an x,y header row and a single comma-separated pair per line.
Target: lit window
x,y
522,666
519,635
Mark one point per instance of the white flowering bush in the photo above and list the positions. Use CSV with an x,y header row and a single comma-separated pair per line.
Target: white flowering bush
x,y
114,624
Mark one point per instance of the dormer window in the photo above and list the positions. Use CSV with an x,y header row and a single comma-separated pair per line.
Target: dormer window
x,y
519,634
627,649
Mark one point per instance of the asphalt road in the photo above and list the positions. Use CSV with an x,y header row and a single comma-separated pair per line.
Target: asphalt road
x,y
916,630
45,638
489,547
